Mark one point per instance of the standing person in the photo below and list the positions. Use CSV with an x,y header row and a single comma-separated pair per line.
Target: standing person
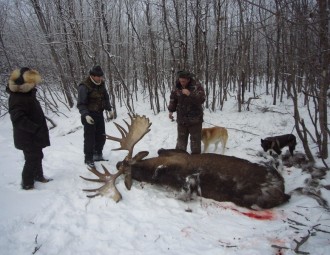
x,y
29,124
93,99
187,99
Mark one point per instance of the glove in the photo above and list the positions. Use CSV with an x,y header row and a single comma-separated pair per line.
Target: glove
x,y
89,120
170,115
110,115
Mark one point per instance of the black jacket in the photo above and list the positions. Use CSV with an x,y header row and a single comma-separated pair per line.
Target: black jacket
x,y
92,97
29,122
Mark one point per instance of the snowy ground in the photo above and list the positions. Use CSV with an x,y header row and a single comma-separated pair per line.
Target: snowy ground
x,y
58,218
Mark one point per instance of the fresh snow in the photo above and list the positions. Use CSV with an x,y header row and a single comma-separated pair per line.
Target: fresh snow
x,y
58,218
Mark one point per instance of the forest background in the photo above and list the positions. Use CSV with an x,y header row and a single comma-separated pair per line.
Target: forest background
x,y
231,46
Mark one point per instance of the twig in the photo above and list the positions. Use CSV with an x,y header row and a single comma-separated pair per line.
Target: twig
x,y
51,121
294,227
297,223
3,115
279,247
301,242
73,130
37,248
321,230
243,131
157,238
301,215
304,240
249,101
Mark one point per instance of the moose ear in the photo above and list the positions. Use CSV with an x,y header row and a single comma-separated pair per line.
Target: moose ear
x,y
141,155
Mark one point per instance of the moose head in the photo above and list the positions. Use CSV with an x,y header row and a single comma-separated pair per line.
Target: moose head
x,y
214,176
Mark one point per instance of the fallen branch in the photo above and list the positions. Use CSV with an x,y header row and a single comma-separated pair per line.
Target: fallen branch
x,y
279,247
301,242
243,131
37,248
52,122
321,230
73,130
249,101
296,222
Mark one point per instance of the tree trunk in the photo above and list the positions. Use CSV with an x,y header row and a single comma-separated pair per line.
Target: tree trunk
x,y
44,28
325,75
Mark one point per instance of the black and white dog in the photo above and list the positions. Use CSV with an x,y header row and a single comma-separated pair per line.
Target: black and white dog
x,y
276,143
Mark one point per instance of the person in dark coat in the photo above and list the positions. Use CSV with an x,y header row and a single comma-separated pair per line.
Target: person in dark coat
x,y
29,123
187,99
93,99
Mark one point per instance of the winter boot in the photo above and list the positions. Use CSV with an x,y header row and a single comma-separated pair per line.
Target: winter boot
x,y
39,175
89,162
42,179
98,156
27,186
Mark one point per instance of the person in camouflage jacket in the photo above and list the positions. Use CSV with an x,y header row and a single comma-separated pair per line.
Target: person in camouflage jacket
x,y
187,99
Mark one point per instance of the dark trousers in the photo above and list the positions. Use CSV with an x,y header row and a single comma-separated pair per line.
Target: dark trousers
x,y
94,135
195,132
33,165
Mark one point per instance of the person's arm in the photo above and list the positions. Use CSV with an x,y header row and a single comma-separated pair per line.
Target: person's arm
x,y
82,100
20,119
173,102
198,95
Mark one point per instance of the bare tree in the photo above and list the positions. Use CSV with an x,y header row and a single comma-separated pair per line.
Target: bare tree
x,y
45,29
232,46
325,75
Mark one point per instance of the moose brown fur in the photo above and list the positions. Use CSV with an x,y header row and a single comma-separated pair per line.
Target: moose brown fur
x,y
219,177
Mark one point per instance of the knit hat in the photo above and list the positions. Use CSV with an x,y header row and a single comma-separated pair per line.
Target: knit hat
x,y
96,71
23,80
184,74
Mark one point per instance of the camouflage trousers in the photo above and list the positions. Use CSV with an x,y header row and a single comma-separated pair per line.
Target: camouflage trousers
x,y
195,137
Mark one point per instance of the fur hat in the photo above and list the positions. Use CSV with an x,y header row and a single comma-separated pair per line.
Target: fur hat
x,y
185,74
23,80
96,71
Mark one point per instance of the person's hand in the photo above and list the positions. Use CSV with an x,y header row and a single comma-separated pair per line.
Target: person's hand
x,y
186,92
170,115
89,120
110,115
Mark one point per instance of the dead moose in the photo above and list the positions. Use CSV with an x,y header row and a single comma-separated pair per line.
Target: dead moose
x,y
214,176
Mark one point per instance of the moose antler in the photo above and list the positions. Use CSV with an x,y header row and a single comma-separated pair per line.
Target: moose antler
x,y
140,125
109,180
138,128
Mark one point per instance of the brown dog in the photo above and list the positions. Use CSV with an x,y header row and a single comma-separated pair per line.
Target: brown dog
x,y
214,135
